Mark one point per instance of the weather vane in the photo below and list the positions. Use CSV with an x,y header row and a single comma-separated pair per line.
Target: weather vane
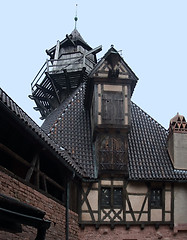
x,y
76,18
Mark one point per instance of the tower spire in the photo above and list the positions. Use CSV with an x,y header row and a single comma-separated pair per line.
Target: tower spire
x,y
76,18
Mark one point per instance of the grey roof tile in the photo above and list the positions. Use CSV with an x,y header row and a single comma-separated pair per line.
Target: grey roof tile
x,y
69,135
64,156
148,155
69,126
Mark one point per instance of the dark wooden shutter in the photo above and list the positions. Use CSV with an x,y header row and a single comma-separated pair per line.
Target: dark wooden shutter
x,y
112,108
118,107
106,108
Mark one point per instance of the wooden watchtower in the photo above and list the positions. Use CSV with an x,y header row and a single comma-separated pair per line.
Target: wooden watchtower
x,y
70,62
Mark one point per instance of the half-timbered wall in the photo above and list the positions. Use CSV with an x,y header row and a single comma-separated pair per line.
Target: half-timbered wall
x,y
111,201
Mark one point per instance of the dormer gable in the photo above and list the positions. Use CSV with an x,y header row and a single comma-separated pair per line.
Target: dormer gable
x,y
113,69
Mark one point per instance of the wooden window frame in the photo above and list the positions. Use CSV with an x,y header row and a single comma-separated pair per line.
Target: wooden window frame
x,y
111,203
156,203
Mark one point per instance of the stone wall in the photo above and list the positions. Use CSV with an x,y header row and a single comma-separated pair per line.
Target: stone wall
x,y
55,212
134,233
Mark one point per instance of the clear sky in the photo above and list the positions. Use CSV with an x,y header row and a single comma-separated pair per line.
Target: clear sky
x,y
152,35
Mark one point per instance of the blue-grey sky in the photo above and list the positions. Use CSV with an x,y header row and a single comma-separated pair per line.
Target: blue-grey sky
x,y
151,34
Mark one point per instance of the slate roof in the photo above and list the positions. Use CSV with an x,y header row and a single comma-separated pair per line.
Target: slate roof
x,y
25,120
70,127
148,155
75,37
70,138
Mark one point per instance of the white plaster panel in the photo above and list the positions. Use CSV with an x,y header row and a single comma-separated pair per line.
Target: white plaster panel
x,y
167,201
112,88
156,214
119,183
93,199
144,217
129,217
86,217
136,202
137,188
99,88
84,206
106,182
168,217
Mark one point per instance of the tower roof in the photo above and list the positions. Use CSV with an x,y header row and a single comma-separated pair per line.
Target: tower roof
x,y
74,39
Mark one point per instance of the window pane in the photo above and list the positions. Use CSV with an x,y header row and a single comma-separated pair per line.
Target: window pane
x,y
156,198
105,197
118,198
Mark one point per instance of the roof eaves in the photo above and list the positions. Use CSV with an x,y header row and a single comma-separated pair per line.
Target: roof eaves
x,y
38,133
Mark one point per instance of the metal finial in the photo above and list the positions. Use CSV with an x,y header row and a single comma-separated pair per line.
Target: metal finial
x,y
76,18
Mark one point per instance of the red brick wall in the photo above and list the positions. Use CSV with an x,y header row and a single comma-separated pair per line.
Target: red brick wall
x,y
55,212
134,233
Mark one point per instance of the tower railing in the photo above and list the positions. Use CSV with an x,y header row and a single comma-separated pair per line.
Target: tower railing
x,y
55,66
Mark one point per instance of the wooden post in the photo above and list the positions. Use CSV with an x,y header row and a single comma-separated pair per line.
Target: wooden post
x,y
38,173
31,169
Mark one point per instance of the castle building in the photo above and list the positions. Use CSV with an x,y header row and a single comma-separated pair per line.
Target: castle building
x,y
99,166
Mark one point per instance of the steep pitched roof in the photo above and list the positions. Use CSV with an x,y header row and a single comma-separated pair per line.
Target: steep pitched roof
x,y
69,126
73,38
70,139
12,108
147,152
113,57
148,155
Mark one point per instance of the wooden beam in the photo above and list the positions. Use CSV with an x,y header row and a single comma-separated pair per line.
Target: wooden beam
x,y
31,169
38,173
53,86
39,98
45,90
44,183
68,37
57,50
68,85
13,154
43,109
51,181
81,75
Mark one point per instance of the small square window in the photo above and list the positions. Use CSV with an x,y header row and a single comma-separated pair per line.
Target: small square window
x,y
156,198
118,199
111,197
105,197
